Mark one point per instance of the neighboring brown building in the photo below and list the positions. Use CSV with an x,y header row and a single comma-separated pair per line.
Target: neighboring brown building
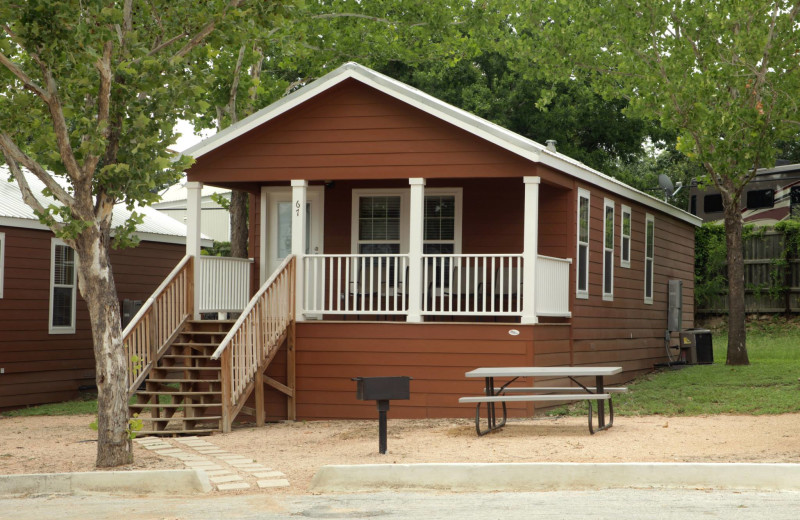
x,y
46,352
456,212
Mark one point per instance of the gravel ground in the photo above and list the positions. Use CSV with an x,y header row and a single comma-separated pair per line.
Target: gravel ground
x,y
67,444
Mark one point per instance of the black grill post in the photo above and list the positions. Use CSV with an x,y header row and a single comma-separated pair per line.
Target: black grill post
x,y
381,390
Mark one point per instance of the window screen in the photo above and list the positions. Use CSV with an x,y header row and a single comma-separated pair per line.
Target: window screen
x,y
757,199
582,276
379,224
712,203
62,299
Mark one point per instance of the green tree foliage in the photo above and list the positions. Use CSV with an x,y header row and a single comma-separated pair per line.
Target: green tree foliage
x,y
723,75
586,126
89,95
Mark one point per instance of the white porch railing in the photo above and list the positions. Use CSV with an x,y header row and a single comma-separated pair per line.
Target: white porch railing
x,y
453,285
552,286
355,284
472,285
224,283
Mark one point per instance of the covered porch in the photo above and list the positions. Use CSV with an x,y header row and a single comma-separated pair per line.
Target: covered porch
x,y
411,251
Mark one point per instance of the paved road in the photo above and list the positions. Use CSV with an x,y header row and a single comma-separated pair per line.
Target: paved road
x,y
620,504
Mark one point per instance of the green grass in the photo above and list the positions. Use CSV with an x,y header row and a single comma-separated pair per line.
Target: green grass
x,y
769,385
85,404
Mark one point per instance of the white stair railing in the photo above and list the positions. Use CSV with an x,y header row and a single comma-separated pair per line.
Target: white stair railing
x,y
224,283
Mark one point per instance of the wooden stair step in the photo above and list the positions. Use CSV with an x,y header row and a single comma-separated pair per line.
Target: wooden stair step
x,y
184,356
185,431
194,344
171,381
181,418
213,322
204,332
165,392
173,405
182,367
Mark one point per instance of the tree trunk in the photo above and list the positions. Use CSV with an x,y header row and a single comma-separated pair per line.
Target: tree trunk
x,y
96,283
238,210
737,334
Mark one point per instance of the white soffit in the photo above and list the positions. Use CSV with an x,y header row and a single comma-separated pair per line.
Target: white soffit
x,y
515,143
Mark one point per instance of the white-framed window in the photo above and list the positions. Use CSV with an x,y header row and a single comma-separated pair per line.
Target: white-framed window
x,y
63,276
582,267
649,251
442,221
2,261
608,249
625,237
380,221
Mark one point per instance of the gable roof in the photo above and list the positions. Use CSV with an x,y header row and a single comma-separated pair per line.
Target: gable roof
x,y
502,137
156,226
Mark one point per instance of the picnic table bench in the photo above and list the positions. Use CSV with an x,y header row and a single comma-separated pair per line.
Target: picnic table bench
x,y
506,393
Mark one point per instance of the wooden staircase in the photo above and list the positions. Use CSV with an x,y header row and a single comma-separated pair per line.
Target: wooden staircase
x,y
194,377
183,393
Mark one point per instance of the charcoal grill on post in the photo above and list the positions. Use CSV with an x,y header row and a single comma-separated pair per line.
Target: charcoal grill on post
x,y
382,390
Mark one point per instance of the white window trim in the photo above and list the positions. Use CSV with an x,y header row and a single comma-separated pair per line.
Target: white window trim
x,y
583,193
61,330
2,261
405,208
622,235
608,296
649,218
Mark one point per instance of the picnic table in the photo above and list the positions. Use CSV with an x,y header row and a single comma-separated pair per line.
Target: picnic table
x,y
506,393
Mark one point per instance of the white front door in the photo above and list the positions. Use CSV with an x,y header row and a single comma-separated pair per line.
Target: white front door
x,y
276,226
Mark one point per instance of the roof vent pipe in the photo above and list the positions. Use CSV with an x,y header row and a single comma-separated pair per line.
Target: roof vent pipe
x,y
551,145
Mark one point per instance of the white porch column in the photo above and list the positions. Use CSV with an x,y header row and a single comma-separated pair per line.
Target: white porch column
x,y
299,201
415,237
530,249
193,206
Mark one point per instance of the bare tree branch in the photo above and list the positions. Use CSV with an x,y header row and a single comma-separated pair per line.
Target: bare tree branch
x,y
158,48
103,103
14,154
235,86
26,80
27,194
205,31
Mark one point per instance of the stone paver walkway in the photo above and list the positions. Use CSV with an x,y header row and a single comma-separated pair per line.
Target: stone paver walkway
x,y
226,471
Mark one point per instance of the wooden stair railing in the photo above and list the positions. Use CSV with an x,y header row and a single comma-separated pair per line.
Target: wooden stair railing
x,y
265,324
158,322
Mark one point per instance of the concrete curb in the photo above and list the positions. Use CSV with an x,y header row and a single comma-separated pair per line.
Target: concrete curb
x,y
158,482
559,476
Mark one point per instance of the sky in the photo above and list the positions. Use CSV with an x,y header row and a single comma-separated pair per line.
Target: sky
x,y
188,137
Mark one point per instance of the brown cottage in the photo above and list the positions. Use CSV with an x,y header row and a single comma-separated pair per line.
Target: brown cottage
x,y
394,234
46,351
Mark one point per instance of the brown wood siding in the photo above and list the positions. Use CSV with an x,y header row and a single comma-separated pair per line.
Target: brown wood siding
x,y
627,331
355,132
436,355
42,367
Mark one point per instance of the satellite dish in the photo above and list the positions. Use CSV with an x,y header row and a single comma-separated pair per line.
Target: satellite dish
x,y
665,184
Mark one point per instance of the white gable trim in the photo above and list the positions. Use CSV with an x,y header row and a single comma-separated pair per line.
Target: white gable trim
x,y
471,123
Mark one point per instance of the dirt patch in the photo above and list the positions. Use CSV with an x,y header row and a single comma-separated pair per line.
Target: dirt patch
x,y
66,444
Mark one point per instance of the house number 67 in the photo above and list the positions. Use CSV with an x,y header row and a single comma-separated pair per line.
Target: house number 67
x,y
297,205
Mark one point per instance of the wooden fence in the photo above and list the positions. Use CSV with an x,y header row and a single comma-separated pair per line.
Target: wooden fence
x,y
771,285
